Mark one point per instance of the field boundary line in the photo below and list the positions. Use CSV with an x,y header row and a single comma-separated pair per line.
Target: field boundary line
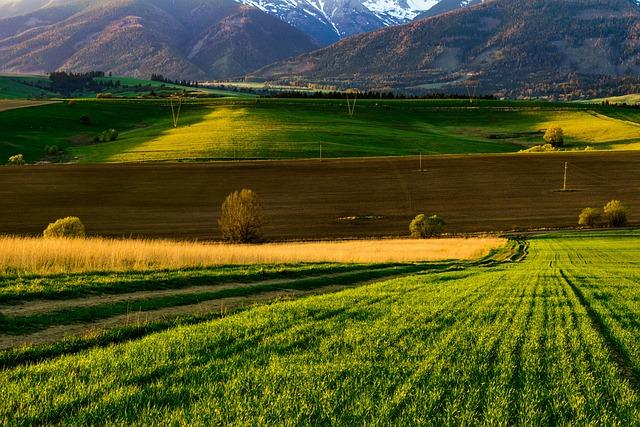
x,y
615,347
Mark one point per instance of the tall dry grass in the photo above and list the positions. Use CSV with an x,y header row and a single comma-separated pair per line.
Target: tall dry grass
x,y
48,256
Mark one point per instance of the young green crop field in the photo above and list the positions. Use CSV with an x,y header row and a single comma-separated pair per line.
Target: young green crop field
x,y
548,339
288,129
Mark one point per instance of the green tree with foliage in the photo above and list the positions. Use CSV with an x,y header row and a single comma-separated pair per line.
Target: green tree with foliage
x,y
590,217
423,226
554,136
241,219
69,227
616,213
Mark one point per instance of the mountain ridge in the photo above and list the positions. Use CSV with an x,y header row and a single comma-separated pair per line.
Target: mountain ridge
x,y
141,37
509,47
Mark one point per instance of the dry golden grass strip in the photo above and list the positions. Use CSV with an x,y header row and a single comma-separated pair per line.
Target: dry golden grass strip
x,y
12,104
46,256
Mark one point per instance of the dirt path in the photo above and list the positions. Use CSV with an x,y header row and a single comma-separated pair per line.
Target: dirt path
x,y
12,104
33,307
58,332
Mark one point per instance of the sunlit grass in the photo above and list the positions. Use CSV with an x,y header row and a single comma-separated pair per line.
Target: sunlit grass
x,y
517,344
584,127
36,255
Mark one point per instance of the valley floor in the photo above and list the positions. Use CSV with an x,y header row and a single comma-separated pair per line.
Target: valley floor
x,y
548,339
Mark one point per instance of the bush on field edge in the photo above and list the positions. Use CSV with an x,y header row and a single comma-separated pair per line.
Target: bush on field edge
x,y
69,227
16,160
614,214
423,226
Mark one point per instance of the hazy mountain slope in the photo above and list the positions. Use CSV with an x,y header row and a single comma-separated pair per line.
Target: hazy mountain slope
x,y
506,45
141,37
235,44
444,6
326,21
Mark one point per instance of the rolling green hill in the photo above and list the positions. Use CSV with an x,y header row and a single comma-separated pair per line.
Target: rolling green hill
x,y
551,339
15,87
285,129
33,86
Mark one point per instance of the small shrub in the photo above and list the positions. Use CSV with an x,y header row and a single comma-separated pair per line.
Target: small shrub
x,y
615,213
111,135
72,103
52,150
85,120
546,148
241,220
554,136
16,160
590,217
69,227
105,95
424,227
106,136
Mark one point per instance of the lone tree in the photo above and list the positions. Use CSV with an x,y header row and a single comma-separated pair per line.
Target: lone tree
x,y
615,213
424,227
554,136
590,217
241,220
69,227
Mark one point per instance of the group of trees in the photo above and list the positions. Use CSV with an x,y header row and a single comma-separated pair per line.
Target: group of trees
x,y
370,95
613,214
68,83
162,79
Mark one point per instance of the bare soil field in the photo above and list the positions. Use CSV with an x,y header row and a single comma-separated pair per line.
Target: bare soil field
x,y
315,200
12,104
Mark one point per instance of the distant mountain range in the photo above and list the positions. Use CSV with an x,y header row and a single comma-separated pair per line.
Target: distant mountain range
x,y
508,47
186,39
190,39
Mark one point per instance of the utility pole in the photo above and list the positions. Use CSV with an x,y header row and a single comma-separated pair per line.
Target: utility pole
x,y
320,151
564,186
421,161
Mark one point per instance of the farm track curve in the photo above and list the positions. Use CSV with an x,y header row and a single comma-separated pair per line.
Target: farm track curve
x,y
212,299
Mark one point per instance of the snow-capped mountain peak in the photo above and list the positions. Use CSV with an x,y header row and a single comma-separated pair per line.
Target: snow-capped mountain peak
x,y
330,20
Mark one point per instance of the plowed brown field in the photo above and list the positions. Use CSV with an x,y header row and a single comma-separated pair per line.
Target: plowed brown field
x,y
312,199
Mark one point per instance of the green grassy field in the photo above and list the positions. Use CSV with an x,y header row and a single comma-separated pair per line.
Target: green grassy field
x,y
549,340
630,99
285,129
18,87
13,87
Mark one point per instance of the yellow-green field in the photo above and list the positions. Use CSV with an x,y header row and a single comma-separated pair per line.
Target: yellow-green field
x,y
288,129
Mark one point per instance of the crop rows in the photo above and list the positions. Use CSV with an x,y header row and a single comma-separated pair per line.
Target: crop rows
x,y
515,343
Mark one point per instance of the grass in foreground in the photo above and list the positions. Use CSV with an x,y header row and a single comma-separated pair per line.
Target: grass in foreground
x,y
24,255
514,344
